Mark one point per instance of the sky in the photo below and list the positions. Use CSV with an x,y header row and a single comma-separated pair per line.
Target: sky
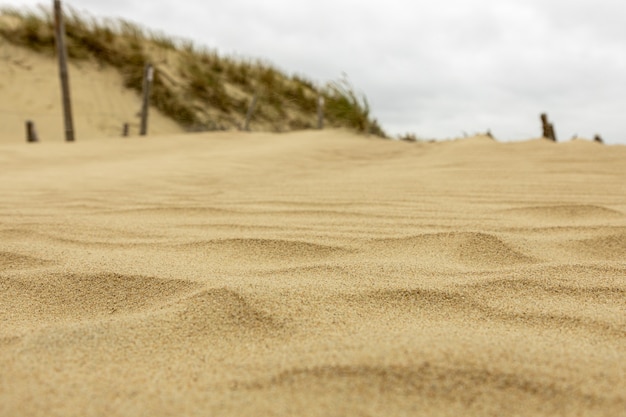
x,y
442,69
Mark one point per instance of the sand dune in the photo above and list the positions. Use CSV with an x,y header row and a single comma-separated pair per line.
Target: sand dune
x,y
30,90
313,274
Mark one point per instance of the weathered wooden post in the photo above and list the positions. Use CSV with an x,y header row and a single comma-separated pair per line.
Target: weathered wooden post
x,y
63,73
125,129
148,76
544,126
552,134
31,133
548,128
320,112
246,125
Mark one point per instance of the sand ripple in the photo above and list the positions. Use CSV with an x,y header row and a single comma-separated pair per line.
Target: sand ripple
x,y
11,260
312,274
428,388
83,297
476,250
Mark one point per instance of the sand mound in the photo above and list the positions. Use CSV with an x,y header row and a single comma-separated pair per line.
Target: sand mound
x,y
559,306
610,248
567,213
188,319
602,294
261,251
10,260
220,313
417,304
431,389
474,250
590,275
485,305
78,297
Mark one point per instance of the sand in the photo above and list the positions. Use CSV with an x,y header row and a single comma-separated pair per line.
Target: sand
x,y
312,274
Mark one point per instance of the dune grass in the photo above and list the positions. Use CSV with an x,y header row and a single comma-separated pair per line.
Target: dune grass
x,y
195,86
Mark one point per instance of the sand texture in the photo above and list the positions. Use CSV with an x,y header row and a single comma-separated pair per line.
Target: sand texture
x,y
312,274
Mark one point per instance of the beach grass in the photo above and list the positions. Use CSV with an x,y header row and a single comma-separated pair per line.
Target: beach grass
x,y
196,86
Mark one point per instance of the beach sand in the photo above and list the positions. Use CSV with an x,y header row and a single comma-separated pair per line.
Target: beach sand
x,y
312,274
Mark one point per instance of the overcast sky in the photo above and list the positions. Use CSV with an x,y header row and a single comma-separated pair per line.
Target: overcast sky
x,y
437,69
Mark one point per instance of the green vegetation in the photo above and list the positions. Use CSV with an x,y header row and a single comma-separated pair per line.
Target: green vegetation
x,y
198,88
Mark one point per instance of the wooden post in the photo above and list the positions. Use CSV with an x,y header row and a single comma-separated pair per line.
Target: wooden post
x,y
63,73
31,133
544,126
552,133
320,112
148,76
125,130
548,128
246,125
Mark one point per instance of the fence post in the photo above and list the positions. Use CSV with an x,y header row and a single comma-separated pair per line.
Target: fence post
x,y
548,128
125,129
31,133
320,112
148,76
544,126
246,125
63,73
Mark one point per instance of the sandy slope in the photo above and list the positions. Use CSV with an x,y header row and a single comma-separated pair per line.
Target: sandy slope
x,y
30,90
313,274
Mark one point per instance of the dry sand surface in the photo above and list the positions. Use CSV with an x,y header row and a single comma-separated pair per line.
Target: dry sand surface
x,y
312,274
30,90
